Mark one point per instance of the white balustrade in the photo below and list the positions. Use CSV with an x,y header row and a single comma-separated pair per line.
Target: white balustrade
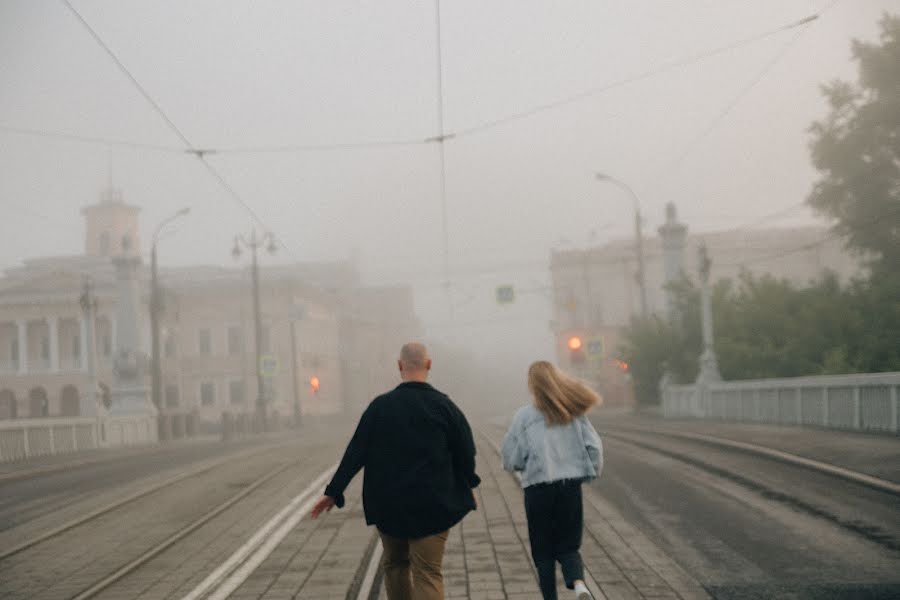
x,y
856,402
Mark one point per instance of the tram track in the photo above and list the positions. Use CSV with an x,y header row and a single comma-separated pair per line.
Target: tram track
x,y
712,456
120,554
129,499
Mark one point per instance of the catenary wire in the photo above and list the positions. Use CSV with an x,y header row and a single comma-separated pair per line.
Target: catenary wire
x,y
74,137
651,72
191,149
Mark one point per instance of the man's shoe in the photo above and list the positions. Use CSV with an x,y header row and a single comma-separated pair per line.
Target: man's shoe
x,y
582,593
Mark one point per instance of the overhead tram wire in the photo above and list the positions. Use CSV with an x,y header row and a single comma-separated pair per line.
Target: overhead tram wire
x,y
651,72
74,137
754,81
200,153
802,248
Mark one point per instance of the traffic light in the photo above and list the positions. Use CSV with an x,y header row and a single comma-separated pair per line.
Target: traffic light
x,y
576,349
314,385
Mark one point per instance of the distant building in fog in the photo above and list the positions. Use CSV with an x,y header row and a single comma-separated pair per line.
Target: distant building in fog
x,y
595,290
318,321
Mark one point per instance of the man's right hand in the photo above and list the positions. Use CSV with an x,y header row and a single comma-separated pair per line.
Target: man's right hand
x,y
323,504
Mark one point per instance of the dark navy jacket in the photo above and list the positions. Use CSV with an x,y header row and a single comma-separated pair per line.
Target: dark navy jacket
x,y
418,456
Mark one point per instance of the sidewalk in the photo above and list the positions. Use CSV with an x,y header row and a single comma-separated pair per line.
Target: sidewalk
x,y
486,558
870,453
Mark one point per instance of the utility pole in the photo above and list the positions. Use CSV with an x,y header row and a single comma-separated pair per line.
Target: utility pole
x,y
156,308
253,244
89,308
638,238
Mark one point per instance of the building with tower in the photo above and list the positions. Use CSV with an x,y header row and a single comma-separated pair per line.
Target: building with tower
x,y
318,323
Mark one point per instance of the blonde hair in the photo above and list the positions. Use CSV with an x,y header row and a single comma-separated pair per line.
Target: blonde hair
x,y
559,397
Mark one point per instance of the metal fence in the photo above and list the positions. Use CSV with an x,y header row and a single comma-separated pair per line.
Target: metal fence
x,y
863,402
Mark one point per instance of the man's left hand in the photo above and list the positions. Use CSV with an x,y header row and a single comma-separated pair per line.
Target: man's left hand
x,y
323,504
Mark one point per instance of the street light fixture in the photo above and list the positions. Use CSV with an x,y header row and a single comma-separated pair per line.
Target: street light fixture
x,y
267,241
638,236
156,310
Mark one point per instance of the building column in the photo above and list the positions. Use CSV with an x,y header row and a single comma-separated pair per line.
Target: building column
x,y
23,346
84,345
53,333
113,336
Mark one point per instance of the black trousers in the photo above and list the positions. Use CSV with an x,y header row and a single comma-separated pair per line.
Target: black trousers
x,y
555,524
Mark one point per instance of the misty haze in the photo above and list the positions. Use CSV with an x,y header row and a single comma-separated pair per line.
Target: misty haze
x,y
420,300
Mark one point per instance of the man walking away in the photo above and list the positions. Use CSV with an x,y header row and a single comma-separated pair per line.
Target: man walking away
x,y
418,456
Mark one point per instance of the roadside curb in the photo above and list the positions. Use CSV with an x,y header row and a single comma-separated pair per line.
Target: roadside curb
x,y
877,483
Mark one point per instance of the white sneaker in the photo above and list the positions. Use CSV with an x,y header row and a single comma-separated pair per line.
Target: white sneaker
x,y
582,593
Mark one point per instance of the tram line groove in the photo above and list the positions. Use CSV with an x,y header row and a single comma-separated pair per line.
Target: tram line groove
x,y
134,564
868,532
108,508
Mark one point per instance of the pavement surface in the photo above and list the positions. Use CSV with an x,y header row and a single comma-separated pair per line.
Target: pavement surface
x,y
670,518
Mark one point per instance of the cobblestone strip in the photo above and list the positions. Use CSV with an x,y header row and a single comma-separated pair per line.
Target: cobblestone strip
x,y
523,577
318,559
624,563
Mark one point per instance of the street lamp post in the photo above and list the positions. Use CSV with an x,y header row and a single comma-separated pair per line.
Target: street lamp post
x,y
267,240
155,312
638,237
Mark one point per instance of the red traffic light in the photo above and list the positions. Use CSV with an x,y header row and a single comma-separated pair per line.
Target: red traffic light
x,y
314,384
575,343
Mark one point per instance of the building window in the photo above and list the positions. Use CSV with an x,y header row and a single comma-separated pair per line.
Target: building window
x,y
235,340
76,346
104,243
169,347
236,392
45,348
204,342
207,393
14,350
172,396
107,345
265,341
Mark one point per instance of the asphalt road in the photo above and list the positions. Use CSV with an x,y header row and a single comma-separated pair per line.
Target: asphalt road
x,y
750,527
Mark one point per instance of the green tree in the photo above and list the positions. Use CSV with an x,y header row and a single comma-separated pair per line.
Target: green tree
x,y
857,150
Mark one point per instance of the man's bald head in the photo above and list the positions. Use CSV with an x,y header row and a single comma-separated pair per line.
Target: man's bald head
x,y
414,361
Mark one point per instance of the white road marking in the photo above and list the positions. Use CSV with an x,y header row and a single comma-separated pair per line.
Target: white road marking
x,y
234,571
365,590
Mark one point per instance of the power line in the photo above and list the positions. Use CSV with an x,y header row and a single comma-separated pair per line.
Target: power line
x,y
754,81
74,137
815,244
190,148
298,148
631,79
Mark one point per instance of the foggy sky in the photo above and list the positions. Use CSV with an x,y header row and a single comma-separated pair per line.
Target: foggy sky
x,y
242,75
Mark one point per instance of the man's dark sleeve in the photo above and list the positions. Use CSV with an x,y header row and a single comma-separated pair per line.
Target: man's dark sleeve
x,y
354,457
463,447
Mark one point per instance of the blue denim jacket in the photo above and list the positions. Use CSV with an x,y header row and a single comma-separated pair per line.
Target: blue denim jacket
x,y
551,453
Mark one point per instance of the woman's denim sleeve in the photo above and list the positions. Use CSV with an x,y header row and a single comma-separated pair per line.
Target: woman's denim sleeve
x,y
514,452
593,444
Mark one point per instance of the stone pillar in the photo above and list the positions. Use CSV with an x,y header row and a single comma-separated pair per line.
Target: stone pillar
x,y
130,390
23,346
709,366
53,334
673,235
83,338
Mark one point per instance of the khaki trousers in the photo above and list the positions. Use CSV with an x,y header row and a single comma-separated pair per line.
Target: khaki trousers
x,y
412,567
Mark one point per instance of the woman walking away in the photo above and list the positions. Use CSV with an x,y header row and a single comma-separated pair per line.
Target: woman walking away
x,y
556,449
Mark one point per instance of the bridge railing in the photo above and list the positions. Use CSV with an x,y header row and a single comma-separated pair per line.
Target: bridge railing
x,y
24,438
862,402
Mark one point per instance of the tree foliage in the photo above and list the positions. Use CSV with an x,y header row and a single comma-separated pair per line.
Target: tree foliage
x,y
766,327
856,147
